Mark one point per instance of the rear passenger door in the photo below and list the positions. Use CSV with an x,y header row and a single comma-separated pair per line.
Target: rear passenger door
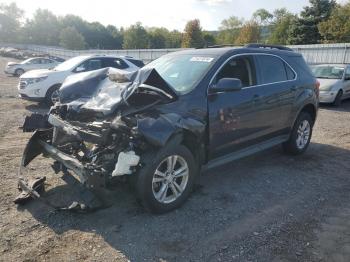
x,y
276,94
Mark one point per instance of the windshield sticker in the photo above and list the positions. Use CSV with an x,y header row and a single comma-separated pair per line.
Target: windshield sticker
x,y
201,59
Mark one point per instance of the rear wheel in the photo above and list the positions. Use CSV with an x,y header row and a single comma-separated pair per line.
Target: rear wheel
x,y
338,98
166,180
19,72
301,135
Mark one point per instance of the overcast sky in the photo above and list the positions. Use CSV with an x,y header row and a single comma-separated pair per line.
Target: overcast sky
x,y
172,14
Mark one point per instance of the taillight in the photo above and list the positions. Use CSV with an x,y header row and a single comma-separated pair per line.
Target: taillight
x,y
317,87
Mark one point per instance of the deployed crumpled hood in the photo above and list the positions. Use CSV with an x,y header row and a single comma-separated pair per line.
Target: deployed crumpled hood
x,y
327,84
97,92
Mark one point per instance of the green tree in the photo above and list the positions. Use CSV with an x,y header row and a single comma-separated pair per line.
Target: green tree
x,y
305,29
209,39
70,38
10,16
117,36
193,36
174,39
135,37
337,27
249,33
43,29
262,16
282,20
157,37
229,30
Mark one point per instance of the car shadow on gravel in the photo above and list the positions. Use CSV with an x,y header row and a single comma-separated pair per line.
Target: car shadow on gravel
x,y
344,107
251,198
40,108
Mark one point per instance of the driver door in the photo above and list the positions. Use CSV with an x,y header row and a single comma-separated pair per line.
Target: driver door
x,y
232,115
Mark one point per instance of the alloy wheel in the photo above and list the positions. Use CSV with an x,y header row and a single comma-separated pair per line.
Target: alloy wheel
x,y
303,134
170,179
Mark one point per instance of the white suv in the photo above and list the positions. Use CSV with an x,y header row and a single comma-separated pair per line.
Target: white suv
x,y
43,85
18,69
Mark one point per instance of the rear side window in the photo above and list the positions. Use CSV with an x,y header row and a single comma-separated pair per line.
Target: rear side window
x,y
273,69
138,63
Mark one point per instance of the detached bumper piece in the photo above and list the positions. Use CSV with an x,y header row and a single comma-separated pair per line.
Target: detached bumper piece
x,y
40,144
29,189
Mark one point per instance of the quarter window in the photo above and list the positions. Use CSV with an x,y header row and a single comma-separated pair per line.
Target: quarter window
x,y
273,69
241,68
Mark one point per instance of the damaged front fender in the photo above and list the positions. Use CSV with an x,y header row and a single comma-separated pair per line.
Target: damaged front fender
x,y
158,130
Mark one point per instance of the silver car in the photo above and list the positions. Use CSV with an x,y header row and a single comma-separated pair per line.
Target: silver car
x,y
30,64
334,82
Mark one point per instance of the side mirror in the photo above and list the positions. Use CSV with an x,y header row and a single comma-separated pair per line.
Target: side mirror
x,y
79,69
227,85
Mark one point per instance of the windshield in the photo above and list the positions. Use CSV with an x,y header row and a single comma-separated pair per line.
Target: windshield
x,y
328,71
69,64
27,60
182,72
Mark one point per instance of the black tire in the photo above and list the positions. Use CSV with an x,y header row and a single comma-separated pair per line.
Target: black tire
x,y
291,146
19,72
143,182
49,93
338,98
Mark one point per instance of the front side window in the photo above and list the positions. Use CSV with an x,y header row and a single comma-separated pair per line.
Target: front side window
x,y
36,61
273,69
89,65
328,71
115,63
241,68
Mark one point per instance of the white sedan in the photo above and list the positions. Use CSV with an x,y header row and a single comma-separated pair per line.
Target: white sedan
x,y
18,69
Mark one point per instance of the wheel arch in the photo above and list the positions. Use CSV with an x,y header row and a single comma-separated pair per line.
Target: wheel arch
x,y
58,85
311,109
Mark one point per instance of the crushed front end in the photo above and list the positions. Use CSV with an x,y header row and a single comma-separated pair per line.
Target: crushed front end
x,y
98,137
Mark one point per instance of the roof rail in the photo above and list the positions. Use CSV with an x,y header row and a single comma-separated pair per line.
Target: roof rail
x,y
218,46
279,47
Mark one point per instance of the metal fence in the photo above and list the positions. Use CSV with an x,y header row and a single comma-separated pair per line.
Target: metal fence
x,y
313,54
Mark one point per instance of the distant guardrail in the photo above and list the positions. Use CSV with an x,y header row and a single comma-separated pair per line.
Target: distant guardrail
x,y
313,54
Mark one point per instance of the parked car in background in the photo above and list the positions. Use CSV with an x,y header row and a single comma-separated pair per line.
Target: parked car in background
x,y
185,110
19,69
334,82
43,85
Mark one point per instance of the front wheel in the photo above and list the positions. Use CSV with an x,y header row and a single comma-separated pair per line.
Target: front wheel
x,y
19,72
166,179
52,95
300,136
338,98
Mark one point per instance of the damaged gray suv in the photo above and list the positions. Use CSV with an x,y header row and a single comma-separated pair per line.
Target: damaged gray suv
x,y
181,113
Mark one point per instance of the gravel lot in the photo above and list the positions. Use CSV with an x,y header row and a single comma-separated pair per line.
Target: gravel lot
x,y
267,207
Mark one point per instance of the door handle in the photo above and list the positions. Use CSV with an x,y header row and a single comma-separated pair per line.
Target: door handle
x,y
293,88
